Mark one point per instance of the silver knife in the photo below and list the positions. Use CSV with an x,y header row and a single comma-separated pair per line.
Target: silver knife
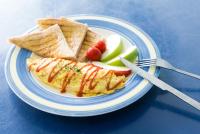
x,y
162,85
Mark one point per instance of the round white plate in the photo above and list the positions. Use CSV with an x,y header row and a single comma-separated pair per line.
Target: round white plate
x,y
36,94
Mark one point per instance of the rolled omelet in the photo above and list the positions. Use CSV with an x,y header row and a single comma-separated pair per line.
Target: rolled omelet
x,y
76,78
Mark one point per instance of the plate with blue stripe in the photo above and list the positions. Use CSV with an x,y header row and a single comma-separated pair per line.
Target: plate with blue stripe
x,y
39,96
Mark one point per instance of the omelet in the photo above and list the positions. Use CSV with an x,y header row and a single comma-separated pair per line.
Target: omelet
x,y
76,78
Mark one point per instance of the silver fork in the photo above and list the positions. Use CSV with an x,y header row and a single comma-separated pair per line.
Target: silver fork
x,y
164,64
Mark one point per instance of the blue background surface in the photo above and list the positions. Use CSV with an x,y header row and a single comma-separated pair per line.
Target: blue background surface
x,y
173,24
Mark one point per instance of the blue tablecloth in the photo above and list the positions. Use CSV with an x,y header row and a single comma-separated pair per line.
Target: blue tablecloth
x,y
173,24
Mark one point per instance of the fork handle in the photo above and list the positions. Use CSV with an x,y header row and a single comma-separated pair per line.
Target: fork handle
x,y
186,73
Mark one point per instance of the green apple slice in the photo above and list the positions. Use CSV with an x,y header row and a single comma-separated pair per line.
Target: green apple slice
x,y
114,46
131,55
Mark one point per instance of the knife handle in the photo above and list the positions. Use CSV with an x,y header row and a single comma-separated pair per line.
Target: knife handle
x,y
161,84
164,86
179,94
185,98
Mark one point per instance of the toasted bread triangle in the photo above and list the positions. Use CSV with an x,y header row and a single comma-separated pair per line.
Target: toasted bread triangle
x,y
47,43
74,32
88,38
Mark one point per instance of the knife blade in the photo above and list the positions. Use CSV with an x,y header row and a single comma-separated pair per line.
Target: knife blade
x,y
159,83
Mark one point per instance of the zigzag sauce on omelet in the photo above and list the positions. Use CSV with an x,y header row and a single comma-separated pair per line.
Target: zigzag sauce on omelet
x,y
71,73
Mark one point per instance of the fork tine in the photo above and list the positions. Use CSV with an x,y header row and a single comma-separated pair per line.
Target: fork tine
x,y
147,65
145,62
150,62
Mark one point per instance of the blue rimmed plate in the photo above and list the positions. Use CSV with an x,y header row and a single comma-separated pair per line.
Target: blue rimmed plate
x,y
26,87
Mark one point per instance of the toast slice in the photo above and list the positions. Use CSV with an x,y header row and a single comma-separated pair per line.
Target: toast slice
x,y
88,38
47,43
74,32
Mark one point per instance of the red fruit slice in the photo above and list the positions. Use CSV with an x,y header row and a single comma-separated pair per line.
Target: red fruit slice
x,y
119,71
122,72
101,46
93,54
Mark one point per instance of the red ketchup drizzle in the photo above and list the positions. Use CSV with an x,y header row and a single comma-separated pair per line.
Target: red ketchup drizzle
x,y
34,63
95,72
68,77
41,66
52,75
108,82
83,80
30,66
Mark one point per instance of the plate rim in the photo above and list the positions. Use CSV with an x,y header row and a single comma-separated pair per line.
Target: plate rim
x,y
111,109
